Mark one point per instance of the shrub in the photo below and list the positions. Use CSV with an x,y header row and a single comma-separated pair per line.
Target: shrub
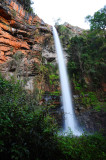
x,y
25,133
30,134
89,147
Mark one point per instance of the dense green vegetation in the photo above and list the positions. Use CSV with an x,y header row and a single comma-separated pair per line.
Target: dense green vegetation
x,y
25,132
29,133
98,21
87,57
87,52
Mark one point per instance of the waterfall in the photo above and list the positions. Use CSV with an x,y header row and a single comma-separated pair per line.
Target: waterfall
x,y
70,119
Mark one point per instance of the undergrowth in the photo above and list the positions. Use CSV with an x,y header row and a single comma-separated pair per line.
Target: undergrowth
x,y
29,133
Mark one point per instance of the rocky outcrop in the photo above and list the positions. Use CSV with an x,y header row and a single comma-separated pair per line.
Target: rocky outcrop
x,y
24,38
74,29
19,31
91,119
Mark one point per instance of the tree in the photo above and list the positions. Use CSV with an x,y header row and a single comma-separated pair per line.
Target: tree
x,y
98,21
87,53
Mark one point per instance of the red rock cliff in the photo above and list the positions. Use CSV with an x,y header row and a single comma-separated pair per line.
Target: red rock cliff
x,y
19,31
24,38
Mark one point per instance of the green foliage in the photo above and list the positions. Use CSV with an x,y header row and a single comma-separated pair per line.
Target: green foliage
x,y
88,99
87,52
89,147
98,21
65,34
25,133
74,50
29,133
55,93
51,77
87,57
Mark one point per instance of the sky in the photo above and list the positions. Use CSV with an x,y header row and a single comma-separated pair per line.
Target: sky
x,y
71,11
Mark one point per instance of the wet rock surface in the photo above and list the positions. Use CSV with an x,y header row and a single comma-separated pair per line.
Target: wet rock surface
x,y
56,109
89,118
93,121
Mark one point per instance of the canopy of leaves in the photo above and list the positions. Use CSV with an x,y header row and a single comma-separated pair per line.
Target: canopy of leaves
x,y
87,57
98,21
87,53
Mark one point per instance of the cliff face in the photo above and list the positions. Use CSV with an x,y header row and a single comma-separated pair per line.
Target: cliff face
x,y
74,29
24,39
26,45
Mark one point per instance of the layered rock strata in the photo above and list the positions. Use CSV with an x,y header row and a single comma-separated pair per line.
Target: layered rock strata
x,y
24,38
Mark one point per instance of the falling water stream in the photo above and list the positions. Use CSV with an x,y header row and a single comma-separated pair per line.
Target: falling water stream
x,y
70,119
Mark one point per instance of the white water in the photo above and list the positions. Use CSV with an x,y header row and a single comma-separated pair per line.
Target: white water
x,y
70,120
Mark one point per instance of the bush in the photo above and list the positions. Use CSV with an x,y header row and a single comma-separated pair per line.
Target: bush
x,y
28,133
25,133
89,147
